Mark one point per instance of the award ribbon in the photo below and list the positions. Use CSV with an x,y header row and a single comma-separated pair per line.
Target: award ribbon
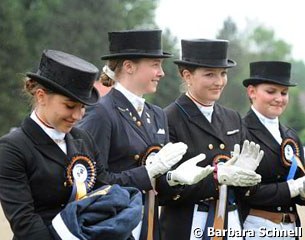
x,y
81,175
290,155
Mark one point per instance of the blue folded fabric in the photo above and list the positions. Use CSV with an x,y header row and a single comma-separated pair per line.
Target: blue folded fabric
x,y
100,216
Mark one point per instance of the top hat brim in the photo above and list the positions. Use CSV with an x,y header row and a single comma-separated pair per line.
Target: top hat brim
x,y
228,64
53,86
136,55
255,81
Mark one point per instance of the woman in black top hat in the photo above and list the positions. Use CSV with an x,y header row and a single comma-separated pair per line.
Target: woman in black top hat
x,y
272,204
125,127
205,126
47,163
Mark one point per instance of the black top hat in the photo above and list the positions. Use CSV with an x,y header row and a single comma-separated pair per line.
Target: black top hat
x,y
269,72
135,44
68,75
205,53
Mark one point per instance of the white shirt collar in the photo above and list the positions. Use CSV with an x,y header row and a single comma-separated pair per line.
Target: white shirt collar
x,y
51,132
136,101
206,111
271,124
264,120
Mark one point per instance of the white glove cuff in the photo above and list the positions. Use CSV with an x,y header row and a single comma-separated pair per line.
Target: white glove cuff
x,y
150,171
293,188
221,176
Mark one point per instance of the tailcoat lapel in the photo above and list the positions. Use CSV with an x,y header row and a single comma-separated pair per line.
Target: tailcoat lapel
x,y
285,133
128,112
194,115
43,143
258,130
74,145
47,147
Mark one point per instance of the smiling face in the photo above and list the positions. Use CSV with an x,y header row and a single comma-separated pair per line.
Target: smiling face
x,y
269,99
206,84
143,75
58,111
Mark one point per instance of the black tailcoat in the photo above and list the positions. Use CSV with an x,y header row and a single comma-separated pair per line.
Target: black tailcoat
x,y
33,173
189,125
123,136
272,194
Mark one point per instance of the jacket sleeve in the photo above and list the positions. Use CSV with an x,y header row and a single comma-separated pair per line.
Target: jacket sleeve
x,y
15,195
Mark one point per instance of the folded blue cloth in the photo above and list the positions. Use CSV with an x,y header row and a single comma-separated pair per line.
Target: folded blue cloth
x,y
110,212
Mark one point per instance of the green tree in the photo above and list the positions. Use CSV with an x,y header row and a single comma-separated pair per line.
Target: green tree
x,y
75,26
234,95
81,27
13,53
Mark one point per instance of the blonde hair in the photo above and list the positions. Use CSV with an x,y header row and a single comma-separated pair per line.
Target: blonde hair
x,y
115,66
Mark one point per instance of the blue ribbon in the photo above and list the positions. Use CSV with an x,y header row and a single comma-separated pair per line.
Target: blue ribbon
x,y
293,168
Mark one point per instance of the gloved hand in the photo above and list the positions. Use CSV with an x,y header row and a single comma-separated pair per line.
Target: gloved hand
x,y
297,187
236,176
162,161
249,158
188,172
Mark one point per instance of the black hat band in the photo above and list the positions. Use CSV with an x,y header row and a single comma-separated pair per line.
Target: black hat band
x,y
156,51
206,61
279,78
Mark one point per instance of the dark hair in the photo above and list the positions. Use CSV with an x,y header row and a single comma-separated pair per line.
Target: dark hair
x,y
181,68
190,68
30,87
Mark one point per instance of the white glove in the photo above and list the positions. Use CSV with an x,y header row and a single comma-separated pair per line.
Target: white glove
x,y
249,158
236,176
159,163
188,172
297,187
